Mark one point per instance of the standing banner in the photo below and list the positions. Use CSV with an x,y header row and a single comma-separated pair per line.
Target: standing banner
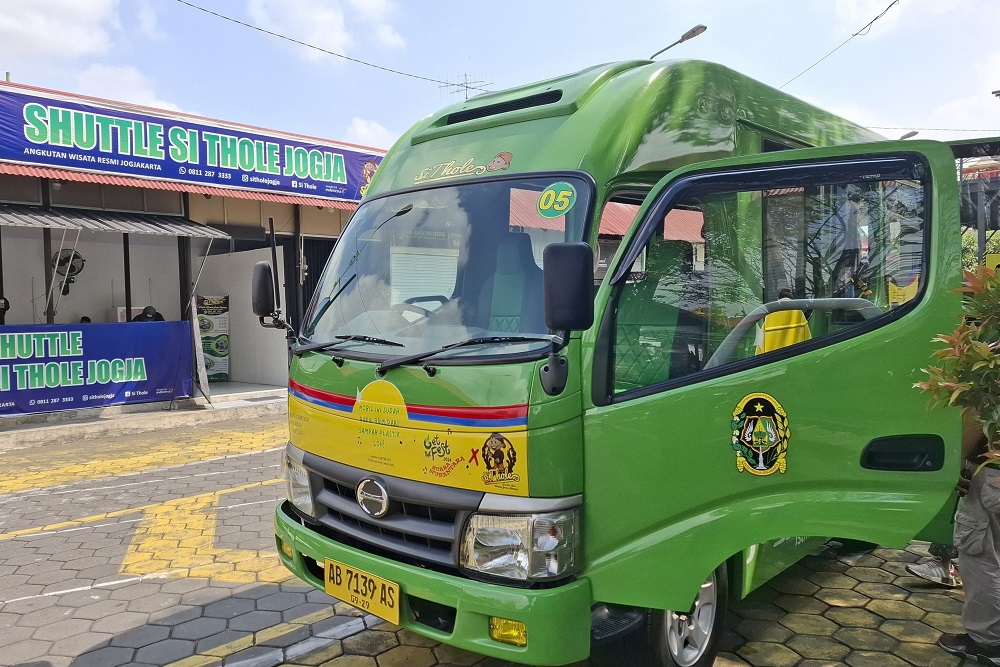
x,y
59,130
46,368
213,322
201,378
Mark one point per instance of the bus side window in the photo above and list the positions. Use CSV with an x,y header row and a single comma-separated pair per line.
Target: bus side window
x,y
839,254
659,332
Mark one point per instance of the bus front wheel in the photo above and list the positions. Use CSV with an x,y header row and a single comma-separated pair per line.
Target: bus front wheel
x,y
690,639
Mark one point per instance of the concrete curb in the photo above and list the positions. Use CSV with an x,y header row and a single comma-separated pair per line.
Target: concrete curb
x,y
114,422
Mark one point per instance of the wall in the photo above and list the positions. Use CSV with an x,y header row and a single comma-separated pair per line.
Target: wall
x,y
24,274
155,276
100,286
256,355
328,222
321,222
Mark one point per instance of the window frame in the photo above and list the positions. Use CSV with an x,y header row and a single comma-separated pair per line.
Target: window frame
x,y
668,194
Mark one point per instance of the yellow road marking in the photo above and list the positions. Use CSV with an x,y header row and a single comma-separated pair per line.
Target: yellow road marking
x,y
267,634
22,472
179,535
72,523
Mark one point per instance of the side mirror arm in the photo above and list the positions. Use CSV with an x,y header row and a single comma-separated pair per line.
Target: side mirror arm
x,y
554,373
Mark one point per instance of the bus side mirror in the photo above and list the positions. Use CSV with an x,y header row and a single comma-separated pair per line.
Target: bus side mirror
x,y
568,280
263,290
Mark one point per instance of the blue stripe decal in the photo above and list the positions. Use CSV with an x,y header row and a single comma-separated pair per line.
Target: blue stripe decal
x,y
458,421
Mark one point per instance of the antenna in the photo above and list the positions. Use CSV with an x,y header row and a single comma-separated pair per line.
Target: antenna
x,y
464,85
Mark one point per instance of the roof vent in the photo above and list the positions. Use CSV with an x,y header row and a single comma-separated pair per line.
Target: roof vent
x,y
541,99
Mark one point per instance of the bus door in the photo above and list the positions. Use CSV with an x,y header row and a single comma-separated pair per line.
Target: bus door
x,y
765,392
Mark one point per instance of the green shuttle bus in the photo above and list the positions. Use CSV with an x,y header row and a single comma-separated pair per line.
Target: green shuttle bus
x,y
604,352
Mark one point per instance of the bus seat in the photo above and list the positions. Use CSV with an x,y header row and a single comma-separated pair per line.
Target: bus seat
x,y
515,290
647,324
781,329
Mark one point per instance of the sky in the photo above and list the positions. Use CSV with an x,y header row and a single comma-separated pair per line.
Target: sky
x,y
925,65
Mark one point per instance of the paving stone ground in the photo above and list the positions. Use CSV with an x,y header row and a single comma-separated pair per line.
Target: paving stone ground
x,y
157,549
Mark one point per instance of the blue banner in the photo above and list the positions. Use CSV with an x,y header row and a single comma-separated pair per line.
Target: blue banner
x,y
44,368
58,132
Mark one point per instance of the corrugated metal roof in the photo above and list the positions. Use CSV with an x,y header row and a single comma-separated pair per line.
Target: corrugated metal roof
x,y
524,212
154,184
617,217
684,225
681,224
18,215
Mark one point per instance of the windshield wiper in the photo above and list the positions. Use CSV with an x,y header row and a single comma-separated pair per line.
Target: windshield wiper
x,y
389,364
342,340
326,305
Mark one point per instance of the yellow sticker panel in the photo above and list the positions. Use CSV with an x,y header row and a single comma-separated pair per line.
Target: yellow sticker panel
x,y
481,449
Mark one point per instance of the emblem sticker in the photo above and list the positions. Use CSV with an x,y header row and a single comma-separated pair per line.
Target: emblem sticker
x,y
454,169
499,457
556,200
760,435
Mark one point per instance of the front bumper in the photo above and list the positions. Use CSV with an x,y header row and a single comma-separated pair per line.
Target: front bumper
x,y
557,619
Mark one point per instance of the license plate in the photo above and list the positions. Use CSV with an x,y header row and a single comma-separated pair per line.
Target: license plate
x,y
363,590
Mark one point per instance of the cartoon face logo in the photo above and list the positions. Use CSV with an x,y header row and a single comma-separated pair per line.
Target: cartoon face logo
x,y
760,435
368,171
501,162
367,174
499,457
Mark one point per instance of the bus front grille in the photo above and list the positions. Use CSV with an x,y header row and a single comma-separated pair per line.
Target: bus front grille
x,y
424,521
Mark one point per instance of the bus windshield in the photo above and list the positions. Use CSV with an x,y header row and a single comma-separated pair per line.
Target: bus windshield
x,y
419,270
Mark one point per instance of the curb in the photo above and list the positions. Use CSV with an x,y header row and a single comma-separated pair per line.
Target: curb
x,y
153,417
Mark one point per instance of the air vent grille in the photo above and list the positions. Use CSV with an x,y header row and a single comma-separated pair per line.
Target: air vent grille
x,y
541,99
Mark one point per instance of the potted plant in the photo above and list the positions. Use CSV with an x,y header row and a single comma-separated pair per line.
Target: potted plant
x,y
967,374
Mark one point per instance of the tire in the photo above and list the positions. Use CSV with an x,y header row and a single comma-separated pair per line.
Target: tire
x,y
691,639
855,546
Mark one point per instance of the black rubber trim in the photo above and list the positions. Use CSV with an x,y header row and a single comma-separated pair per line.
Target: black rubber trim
x,y
541,99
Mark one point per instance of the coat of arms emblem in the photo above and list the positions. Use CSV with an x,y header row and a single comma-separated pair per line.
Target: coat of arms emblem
x,y
760,435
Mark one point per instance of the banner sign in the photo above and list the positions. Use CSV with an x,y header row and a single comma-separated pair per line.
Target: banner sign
x,y
213,325
45,368
57,132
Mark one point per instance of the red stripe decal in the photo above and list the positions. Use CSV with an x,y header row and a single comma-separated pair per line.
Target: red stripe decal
x,y
323,395
500,412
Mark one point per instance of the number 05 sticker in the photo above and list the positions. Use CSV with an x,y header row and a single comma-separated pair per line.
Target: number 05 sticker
x,y
556,200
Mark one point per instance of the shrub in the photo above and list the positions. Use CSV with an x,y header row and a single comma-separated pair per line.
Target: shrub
x,y
967,374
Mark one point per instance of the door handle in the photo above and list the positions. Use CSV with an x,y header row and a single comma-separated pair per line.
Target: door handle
x,y
904,453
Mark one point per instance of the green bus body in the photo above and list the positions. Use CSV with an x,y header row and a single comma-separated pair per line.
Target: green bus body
x,y
650,466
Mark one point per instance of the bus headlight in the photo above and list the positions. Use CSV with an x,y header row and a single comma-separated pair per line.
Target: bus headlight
x,y
297,484
526,547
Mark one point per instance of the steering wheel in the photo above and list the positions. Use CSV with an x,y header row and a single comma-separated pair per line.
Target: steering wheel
x,y
724,353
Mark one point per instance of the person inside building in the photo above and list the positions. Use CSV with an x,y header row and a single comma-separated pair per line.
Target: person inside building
x,y
148,314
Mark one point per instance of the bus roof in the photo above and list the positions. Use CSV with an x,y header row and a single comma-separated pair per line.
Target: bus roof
x,y
632,120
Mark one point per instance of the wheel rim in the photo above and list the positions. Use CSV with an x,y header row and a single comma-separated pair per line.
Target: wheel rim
x,y
688,635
